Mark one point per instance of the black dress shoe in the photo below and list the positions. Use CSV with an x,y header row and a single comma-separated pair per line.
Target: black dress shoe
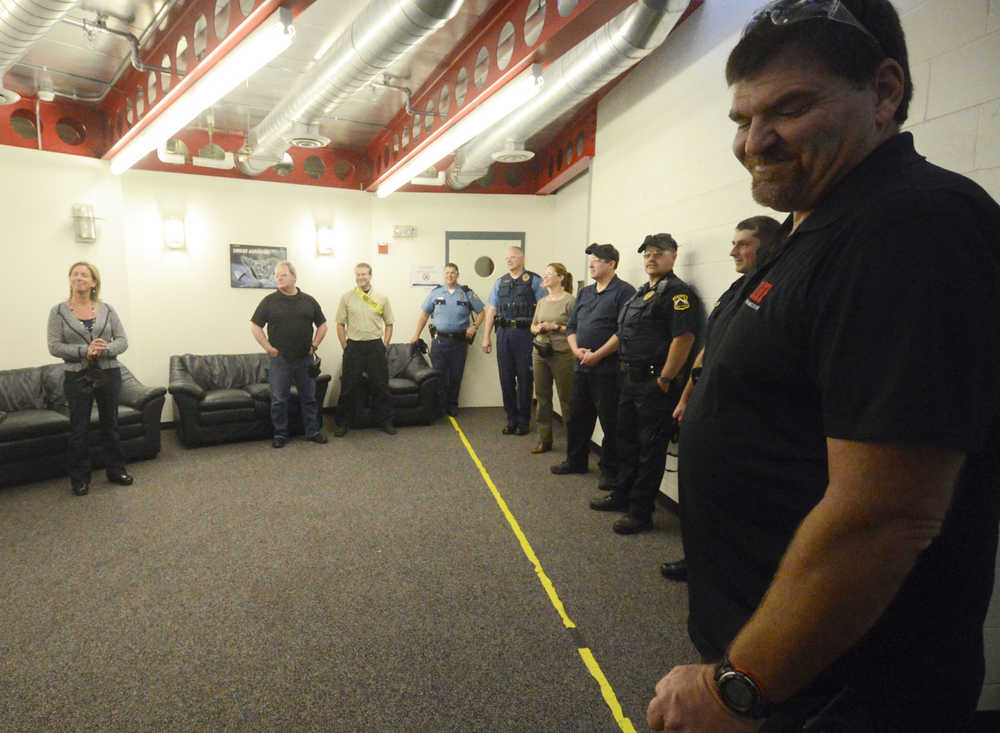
x,y
675,570
81,489
318,438
609,503
388,427
509,430
604,484
522,430
340,431
563,468
278,442
630,525
122,479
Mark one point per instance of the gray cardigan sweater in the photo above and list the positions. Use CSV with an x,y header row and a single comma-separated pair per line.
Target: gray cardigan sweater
x,y
69,339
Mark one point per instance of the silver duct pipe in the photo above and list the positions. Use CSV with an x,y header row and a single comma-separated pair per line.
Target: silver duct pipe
x,y
22,24
613,48
382,32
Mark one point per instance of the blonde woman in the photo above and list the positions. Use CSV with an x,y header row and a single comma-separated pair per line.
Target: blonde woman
x,y
552,359
88,336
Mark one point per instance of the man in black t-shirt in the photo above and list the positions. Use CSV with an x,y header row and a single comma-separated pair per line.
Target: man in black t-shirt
x,y
657,330
290,315
840,457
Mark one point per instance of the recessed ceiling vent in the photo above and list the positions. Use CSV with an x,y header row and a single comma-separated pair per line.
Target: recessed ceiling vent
x,y
307,136
513,152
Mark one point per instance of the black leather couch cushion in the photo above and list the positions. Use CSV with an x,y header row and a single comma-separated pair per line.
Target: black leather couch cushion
x,y
33,424
22,389
226,371
226,399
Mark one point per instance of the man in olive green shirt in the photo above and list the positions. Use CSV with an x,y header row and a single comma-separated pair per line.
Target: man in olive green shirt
x,y
364,327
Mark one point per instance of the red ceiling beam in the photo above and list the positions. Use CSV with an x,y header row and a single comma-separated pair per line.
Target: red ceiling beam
x,y
66,127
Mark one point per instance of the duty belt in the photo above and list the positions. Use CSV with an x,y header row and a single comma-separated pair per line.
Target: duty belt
x,y
643,368
456,336
512,323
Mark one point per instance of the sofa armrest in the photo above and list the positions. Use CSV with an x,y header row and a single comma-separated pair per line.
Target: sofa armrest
x,y
186,387
419,371
135,394
181,381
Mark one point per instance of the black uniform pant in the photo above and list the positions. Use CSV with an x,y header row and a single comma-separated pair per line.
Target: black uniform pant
x,y
82,389
448,355
362,357
645,424
595,395
516,381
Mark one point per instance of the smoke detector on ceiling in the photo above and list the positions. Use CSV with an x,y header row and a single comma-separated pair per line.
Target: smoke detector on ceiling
x,y
307,136
513,152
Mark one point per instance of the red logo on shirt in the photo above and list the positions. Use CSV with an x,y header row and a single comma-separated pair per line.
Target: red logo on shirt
x,y
758,295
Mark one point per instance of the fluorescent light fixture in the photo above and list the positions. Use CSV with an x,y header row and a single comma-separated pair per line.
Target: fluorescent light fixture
x,y
325,241
438,179
513,94
166,156
262,45
223,164
173,233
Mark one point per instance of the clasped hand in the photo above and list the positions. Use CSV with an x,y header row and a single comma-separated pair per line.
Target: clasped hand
x,y
97,347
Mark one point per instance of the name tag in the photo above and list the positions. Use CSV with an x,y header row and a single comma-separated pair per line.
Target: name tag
x,y
462,304
439,300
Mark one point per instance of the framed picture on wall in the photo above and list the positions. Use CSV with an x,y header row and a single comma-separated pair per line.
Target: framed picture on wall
x,y
253,267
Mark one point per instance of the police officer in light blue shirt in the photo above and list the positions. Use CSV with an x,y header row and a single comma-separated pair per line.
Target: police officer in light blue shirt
x,y
511,306
457,314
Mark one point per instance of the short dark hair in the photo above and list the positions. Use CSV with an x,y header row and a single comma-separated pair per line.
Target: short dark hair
x,y
763,227
364,265
451,264
842,49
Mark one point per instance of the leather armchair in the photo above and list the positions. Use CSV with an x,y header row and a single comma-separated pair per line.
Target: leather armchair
x,y
413,388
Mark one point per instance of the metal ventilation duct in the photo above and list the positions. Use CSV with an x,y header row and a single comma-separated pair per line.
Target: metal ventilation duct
x,y
22,23
382,32
610,50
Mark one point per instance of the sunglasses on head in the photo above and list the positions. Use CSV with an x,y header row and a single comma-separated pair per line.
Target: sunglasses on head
x,y
786,12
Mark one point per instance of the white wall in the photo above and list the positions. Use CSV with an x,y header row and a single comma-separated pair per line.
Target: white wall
x,y
664,161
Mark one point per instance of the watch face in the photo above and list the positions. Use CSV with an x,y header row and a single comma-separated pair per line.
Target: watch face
x,y
737,692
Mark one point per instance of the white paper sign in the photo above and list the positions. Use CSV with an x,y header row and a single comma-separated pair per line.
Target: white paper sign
x,y
427,275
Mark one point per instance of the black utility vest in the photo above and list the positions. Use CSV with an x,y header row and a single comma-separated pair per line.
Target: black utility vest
x,y
516,297
643,333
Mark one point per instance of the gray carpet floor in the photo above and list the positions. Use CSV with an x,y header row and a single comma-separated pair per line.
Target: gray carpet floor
x,y
371,584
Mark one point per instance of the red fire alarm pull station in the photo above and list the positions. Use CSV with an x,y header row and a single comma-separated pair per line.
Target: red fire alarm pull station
x,y
383,248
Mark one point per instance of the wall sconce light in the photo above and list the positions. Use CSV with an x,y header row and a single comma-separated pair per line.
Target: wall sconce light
x,y
84,223
173,233
325,241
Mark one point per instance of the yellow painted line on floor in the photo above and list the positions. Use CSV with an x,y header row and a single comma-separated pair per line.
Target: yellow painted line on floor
x,y
588,658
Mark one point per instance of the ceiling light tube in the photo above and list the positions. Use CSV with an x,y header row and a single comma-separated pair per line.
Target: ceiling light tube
x,y
266,42
518,91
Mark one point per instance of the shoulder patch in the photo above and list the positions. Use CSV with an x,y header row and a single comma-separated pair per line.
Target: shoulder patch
x,y
681,302
526,277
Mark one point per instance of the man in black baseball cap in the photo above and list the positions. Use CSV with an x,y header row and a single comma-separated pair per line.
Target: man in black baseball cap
x,y
592,336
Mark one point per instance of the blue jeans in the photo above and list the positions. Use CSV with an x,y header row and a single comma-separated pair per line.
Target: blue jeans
x,y
280,375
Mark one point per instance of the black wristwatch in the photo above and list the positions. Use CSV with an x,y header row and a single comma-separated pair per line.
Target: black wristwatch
x,y
740,692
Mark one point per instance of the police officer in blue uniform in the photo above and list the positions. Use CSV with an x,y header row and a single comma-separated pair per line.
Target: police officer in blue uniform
x,y
511,306
657,330
457,314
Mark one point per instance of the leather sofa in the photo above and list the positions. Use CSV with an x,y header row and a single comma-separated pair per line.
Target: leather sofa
x,y
413,388
34,423
220,398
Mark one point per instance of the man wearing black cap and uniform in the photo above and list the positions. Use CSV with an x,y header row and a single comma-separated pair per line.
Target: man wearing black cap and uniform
x,y
657,330
592,333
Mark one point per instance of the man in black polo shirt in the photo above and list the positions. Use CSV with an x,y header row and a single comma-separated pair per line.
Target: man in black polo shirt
x,y
290,315
592,335
843,444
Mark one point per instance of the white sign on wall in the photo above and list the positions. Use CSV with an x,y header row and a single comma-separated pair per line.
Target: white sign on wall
x,y
427,275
